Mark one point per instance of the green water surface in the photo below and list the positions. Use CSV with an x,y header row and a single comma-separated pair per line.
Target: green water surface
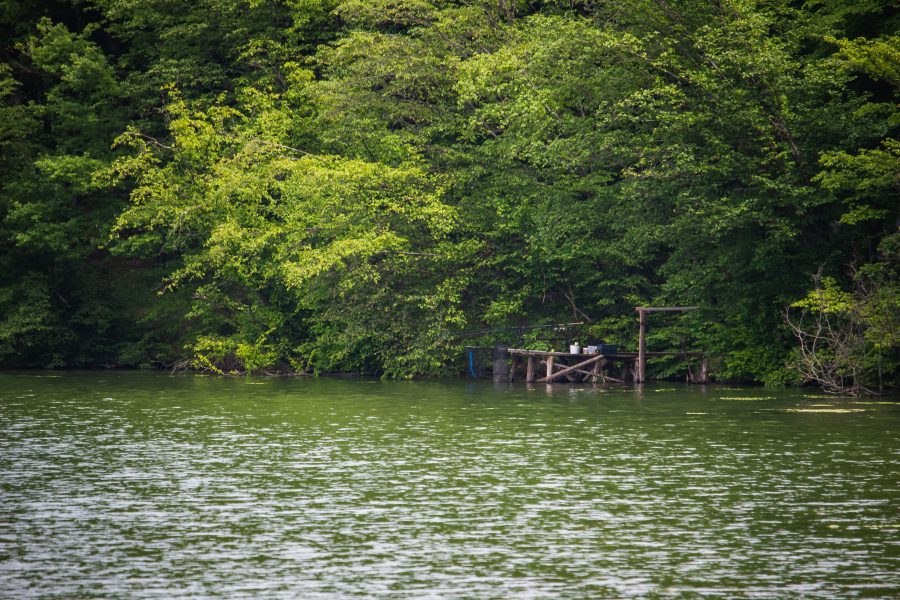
x,y
133,485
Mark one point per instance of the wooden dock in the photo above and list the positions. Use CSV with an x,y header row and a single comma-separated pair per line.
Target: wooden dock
x,y
621,367
585,366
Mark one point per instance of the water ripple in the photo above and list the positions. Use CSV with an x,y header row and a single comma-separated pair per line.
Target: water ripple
x,y
139,486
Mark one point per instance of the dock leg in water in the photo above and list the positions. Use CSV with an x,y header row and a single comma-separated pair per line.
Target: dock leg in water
x,y
628,372
513,368
597,372
641,371
501,364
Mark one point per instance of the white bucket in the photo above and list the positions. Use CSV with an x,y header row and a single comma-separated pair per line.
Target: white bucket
x,y
575,349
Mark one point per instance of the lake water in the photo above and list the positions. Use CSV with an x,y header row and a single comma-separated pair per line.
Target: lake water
x,y
148,485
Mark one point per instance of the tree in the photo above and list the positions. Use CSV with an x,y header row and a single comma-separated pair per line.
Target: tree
x,y
342,185
847,341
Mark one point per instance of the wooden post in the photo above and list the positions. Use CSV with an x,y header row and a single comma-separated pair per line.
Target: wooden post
x,y
549,367
627,371
501,364
704,370
641,374
512,369
640,371
529,370
565,371
597,372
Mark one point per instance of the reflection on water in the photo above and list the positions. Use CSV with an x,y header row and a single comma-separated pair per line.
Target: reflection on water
x,y
130,484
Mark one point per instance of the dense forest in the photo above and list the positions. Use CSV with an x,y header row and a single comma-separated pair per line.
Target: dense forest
x,y
346,185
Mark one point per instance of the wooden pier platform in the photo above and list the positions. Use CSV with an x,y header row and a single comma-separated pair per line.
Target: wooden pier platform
x,y
594,368
629,366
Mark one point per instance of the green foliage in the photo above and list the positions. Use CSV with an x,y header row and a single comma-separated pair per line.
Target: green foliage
x,y
828,297
341,185
848,340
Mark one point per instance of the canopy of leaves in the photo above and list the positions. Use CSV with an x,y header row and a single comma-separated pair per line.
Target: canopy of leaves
x,y
342,185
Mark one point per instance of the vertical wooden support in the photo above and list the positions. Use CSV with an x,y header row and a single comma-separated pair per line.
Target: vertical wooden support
x,y
641,374
597,372
704,370
529,370
512,369
501,364
550,365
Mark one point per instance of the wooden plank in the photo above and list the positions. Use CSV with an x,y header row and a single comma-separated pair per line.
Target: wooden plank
x,y
591,373
529,370
583,372
552,376
665,308
616,356
542,353
632,355
558,367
